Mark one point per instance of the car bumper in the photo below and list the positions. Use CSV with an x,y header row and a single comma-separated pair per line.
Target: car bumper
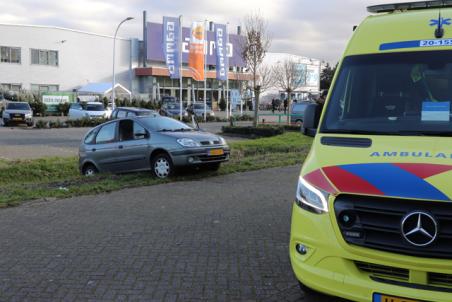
x,y
330,264
199,156
18,120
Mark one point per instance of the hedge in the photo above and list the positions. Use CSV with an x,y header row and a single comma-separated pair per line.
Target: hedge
x,y
260,131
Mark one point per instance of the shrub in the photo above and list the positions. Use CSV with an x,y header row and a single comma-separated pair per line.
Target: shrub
x,y
260,131
41,124
38,107
63,108
222,105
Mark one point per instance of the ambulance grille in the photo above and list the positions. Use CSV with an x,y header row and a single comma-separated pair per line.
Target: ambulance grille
x,y
387,272
375,222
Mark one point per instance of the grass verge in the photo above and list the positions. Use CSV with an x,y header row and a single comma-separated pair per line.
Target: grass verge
x,y
59,177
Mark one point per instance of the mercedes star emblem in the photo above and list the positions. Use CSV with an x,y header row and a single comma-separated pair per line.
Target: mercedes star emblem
x,y
419,228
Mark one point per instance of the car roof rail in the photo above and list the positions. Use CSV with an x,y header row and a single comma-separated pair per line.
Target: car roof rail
x,y
386,8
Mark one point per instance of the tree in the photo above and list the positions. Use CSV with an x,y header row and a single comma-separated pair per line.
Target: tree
x,y
326,76
288,77
254,47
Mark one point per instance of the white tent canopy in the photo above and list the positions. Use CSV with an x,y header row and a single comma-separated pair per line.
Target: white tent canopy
x,y
104,89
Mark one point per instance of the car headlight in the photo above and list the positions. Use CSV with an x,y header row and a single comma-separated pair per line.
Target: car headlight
x,y
188,142
222,141
311,197
28,115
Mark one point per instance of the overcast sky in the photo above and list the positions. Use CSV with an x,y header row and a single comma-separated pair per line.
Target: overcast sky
x,y
314,28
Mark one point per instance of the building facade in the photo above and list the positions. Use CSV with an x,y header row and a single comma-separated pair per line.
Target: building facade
x,y
46,58
49,59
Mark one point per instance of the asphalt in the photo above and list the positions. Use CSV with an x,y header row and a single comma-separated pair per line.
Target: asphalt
x,y
25,143
218,239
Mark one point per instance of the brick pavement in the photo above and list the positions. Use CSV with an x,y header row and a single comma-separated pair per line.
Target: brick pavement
x,y
218,239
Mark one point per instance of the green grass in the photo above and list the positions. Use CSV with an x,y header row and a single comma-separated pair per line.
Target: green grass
x,y
59,177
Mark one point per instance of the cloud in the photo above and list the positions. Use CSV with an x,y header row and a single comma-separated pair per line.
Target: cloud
x,y
314,28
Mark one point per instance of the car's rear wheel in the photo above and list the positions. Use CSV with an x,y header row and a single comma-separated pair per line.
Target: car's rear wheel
x,y
299,123
5,123
312,295
162,166
89,170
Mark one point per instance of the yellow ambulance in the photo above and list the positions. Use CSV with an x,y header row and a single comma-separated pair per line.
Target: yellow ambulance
x,y
372,219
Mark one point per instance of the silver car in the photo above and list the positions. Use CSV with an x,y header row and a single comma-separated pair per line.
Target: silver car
x,y
17,112
155,143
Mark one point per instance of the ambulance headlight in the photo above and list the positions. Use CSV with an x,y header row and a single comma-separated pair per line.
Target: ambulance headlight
x,y
311,198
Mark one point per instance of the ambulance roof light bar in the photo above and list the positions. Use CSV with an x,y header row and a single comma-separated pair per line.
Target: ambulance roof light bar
x,y
386,8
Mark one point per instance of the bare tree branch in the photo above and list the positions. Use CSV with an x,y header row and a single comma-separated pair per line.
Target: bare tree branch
x,y
289,77
253,48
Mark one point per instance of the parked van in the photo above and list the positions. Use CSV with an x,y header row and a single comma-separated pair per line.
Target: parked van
x,y
372,219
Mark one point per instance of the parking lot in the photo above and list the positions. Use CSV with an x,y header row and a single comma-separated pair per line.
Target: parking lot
x,y
24,143
183,241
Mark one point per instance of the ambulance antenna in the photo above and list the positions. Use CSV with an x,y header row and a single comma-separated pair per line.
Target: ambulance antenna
x,y
439,31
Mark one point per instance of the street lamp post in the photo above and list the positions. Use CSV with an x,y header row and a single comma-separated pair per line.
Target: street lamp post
x,y
114,74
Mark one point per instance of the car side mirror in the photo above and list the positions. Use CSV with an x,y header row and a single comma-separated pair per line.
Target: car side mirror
x,y
311,119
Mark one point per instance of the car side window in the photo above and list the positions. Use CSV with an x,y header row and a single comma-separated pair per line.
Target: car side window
x,y
106,134
76,106
138,131
121,114
131,113
89,139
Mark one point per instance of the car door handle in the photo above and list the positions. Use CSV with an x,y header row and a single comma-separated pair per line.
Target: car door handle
x,y
120,146
93,149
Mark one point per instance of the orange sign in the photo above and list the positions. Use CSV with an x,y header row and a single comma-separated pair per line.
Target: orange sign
x,y
196,53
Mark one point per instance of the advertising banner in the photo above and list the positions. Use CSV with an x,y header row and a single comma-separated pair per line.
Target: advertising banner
x,y
171,47
155,51
196,54
53,99
221,43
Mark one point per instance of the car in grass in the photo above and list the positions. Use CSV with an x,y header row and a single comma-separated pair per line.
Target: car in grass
x,y
156,143
17,113
89,110
121,112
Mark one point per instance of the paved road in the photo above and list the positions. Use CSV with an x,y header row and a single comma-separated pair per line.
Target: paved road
x,y
21,142
185,241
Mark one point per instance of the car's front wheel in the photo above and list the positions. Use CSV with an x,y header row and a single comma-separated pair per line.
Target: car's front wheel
x,y
162,166
89,170
5,123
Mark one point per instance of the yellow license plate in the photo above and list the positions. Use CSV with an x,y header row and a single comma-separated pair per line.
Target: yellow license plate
x,y
17,118
216,152
386,298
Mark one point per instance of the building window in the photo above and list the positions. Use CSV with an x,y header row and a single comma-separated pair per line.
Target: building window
x,y
43,88
44,57
10,87
9,54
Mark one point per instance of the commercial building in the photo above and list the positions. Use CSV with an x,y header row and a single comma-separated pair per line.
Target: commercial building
x,y
51,59
47,58
309,76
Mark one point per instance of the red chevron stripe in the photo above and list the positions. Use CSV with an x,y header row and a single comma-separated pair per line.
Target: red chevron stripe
x,y
350,183
424,170
317,179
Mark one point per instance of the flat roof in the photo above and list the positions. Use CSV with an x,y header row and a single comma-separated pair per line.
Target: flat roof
x,y
64,29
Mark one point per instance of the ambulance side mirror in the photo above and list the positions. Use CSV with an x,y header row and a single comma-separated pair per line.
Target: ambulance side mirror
x,y
311,119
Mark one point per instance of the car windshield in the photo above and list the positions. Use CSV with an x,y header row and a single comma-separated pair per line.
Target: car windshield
x,y
145,112
200,107
172,106
394,93
18,106
94,107
165,124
